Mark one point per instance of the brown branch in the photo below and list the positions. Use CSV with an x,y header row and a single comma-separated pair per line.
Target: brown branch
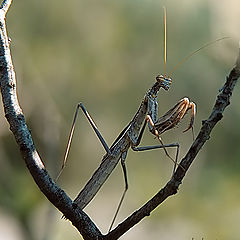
x,y
171,188
15,117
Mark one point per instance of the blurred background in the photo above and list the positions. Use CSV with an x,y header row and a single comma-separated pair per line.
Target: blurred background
x,y
107,54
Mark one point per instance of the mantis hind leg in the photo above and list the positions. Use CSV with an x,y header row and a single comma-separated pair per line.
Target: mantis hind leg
x,y
99,135
123,160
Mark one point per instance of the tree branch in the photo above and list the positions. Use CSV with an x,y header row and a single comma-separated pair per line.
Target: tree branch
x,y
15,117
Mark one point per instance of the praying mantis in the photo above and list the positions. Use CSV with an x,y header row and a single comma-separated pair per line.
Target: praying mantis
x,y
131,135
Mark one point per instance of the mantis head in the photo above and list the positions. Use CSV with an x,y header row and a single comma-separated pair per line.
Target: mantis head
x,y
164,81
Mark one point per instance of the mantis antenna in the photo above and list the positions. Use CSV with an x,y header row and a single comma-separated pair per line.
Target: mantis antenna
x,y
192,53
165,39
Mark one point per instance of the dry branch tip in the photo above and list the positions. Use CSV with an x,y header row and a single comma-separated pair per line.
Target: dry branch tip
x,y
5,6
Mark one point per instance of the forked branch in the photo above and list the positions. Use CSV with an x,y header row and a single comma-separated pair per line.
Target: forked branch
x,y
56,195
